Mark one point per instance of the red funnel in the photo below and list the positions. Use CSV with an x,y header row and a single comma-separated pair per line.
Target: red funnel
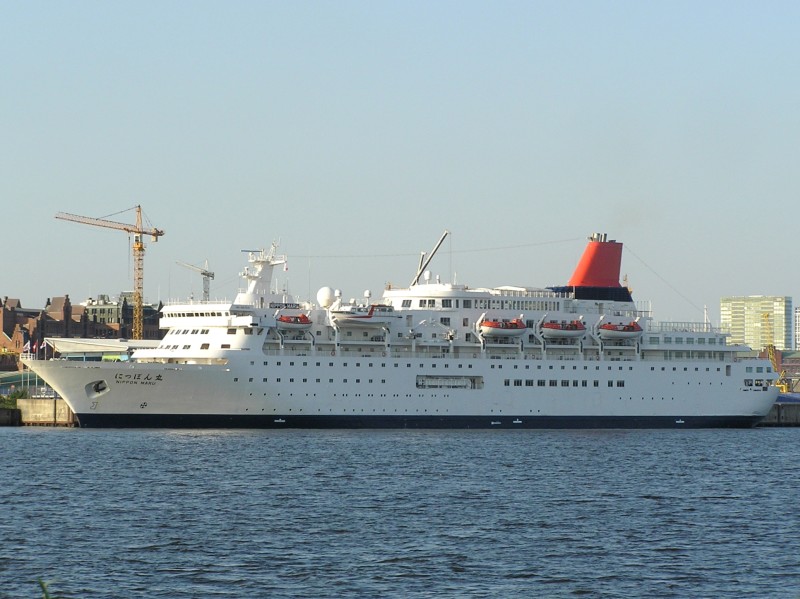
x,y
599,265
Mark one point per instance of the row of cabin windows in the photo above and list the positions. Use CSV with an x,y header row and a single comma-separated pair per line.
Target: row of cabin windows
x,y
559,383
305,380
358,364
486,304
758,382
187,332
194,314
500,366
202,346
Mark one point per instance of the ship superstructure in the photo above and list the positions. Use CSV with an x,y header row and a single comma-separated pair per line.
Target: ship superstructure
x,y
432,354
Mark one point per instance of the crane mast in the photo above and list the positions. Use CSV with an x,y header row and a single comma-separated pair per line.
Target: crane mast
x,y
138,232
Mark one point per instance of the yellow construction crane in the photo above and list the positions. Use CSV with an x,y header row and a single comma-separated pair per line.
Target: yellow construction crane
x,y
782,383
138,256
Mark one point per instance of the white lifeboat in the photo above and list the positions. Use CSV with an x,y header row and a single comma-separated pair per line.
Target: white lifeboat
x,y
503,328
293,322
563,329
375,315
619,331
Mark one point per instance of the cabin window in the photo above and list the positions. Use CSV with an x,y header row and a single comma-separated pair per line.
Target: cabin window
x,y
231,331
447,303
406,303
445,321
467,303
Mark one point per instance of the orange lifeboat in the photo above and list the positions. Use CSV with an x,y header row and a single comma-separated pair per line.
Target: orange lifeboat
x,y
563,330
619,331
503,328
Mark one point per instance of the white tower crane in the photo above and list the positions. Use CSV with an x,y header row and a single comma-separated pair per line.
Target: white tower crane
x,y
207,276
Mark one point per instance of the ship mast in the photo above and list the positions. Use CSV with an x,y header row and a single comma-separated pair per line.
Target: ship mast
x,y
424,263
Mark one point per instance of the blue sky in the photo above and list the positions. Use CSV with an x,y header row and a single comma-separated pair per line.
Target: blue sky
x,y
356,132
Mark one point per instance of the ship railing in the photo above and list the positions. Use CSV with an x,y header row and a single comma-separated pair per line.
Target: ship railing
x,y
196,302
682,327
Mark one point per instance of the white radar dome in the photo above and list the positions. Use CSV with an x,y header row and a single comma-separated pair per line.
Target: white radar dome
x,y
325,297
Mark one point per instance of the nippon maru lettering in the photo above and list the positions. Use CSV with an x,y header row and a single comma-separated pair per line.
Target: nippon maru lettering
x,y
430,355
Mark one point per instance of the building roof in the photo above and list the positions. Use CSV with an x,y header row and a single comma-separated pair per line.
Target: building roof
x,y
74,345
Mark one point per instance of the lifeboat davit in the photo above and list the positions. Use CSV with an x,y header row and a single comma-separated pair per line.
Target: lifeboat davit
x,y
563,329
503,328
375,315
291,322
619,331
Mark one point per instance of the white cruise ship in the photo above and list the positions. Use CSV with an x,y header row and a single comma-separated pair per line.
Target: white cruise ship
x,y
433,355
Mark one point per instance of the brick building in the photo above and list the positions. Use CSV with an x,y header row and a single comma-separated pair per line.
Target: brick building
x,y
24,329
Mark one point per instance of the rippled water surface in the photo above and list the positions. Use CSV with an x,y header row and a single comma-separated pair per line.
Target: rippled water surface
x,y
153,513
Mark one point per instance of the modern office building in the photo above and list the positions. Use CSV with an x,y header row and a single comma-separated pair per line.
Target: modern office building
x,y
797,329
758,320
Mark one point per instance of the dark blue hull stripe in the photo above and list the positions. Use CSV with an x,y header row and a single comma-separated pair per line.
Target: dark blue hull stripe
x,y
90,420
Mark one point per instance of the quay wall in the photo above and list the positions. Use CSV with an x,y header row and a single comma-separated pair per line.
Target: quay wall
x,y
783,414
10,417
46,412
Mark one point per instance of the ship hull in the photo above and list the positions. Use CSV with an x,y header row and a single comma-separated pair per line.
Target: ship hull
x,y
380,392
225,421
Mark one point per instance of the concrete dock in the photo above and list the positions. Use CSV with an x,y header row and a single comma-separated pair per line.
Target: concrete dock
x,y
10,417
46,412
783,414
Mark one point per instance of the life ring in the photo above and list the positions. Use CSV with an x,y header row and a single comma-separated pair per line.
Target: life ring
x,y
333,352
383,354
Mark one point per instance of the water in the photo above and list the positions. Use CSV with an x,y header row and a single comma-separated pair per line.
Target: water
x,y
153,513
